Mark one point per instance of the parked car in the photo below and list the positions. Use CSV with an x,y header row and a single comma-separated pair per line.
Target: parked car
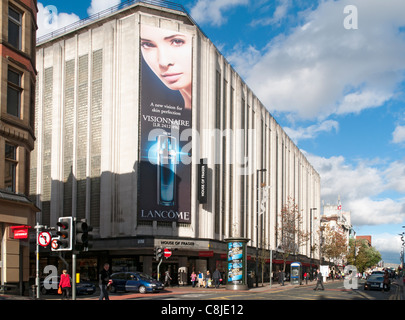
x,y
135,281
85,288
375,281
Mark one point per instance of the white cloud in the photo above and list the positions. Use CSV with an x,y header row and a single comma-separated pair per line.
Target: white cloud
x,y
366,211
212,11
312,131
321,68
49,19
398,136
395,176
279,14
361,188
387,242
100,5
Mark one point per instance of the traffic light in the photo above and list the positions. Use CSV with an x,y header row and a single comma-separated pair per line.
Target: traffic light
x,y
158,253
82,235
64,239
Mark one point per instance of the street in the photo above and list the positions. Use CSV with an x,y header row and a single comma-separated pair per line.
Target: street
x,y
205,303
334,290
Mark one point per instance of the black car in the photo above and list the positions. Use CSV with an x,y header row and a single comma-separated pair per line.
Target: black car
x,y
135,281
376,282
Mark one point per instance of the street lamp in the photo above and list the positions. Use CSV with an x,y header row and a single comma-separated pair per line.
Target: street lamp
x,y
311,239
257,225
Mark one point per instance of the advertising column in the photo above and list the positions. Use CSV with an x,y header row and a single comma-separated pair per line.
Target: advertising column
x,y
237,270
165,125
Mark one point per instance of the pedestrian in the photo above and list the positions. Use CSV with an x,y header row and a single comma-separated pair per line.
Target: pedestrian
x,y
200,279
386,281
65,285
306,277
216,277
104,282
193,279
208,279
319,281
168,278
281,277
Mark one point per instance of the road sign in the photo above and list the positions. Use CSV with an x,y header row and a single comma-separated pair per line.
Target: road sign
x,y
167,253
44,238
54,244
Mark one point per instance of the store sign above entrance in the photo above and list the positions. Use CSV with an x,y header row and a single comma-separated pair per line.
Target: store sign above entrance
x,y
20,232
181,243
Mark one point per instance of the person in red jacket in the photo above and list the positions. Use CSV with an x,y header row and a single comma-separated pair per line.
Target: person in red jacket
x,y
65,284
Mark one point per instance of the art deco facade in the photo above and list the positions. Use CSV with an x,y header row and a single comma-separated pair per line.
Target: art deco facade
x,y
93,155
17,95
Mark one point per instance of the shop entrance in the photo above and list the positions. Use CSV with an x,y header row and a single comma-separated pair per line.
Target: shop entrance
x,y
172,268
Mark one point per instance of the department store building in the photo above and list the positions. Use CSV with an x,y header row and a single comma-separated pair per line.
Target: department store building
x,y
144,129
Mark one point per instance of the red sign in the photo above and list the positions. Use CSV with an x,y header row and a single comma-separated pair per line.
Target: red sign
x,y
167,253
54,244
20,232
205,253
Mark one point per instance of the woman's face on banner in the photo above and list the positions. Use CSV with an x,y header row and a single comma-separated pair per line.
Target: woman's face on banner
x,y
168,54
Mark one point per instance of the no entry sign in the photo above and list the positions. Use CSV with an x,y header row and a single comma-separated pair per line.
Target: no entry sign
x,y
167,253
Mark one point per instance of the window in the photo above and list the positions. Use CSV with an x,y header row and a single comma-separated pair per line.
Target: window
x,y
14,28
10,167
14,93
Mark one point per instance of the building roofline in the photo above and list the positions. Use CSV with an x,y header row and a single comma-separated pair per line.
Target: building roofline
x,y
105,14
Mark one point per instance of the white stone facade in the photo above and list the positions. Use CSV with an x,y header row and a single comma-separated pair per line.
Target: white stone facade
x,y
87,133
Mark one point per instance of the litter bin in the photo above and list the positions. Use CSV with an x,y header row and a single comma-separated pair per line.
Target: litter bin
x,y
295,273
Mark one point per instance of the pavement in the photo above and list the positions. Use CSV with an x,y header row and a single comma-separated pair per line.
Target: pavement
x,y
174,290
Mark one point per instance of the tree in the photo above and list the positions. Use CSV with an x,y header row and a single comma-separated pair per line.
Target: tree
x,y
362,255
291,234
334,246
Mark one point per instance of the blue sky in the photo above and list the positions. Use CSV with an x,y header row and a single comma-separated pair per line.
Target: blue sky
x,y
332,73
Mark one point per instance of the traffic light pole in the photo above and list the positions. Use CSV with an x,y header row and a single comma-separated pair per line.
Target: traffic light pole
x,y
37,227
158,267
73,275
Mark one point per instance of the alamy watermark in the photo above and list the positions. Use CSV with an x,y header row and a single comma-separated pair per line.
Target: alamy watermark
x,y
351,21
351,280
51,280
240,147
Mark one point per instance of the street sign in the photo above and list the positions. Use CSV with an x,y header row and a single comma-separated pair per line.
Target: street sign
x,y
167,253
54,244
44,238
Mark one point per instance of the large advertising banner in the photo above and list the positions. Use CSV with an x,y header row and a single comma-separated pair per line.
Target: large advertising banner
x,y
165,125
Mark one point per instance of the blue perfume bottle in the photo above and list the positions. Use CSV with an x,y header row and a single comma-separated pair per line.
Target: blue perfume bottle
x,y
166,170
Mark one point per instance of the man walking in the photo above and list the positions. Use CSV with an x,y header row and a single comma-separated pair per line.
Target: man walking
x,y
104,282
168,278
216,276
319,281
